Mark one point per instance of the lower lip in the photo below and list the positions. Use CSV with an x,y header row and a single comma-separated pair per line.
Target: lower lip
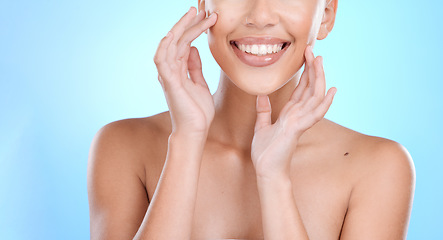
x,y
258,61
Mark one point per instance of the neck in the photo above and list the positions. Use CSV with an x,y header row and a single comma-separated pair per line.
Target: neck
x,y
235,112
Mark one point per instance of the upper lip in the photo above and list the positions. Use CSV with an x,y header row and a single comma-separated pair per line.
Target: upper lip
x,y
258,40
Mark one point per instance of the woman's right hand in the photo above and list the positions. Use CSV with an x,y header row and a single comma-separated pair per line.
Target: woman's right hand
x,y
190,102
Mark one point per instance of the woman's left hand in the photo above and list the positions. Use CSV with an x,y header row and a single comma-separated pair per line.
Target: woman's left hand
x,y
273,144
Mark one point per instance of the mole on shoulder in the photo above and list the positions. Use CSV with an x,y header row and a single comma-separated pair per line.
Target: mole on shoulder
x,y
346,154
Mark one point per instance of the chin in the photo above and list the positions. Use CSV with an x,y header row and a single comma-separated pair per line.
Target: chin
x,y
259,85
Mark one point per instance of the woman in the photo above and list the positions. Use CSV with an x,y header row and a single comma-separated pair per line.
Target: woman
x,y
257,160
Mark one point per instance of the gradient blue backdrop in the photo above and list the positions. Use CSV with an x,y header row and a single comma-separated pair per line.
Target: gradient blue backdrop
x,y
69,67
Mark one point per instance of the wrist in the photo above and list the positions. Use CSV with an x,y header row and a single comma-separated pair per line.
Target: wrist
x,y
280,182
189,136
266,173
187,142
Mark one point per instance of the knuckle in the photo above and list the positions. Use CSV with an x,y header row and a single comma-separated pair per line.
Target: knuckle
x,y
163,42
157,60
201,27
174,67
185,41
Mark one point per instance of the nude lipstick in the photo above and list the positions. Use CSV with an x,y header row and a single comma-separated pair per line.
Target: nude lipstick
x,y
259,52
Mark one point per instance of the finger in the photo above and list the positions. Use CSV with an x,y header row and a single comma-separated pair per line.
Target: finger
x,y
180,27
296,95
185,51
310,73
161,54
263,113
184,62
192,33
195,68
321,110
320,82
201,24
319,85
200,16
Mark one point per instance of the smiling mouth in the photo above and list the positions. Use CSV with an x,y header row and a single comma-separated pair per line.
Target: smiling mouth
x,y
259,52
260,49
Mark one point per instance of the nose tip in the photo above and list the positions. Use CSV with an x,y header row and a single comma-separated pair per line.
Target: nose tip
x,y
262,14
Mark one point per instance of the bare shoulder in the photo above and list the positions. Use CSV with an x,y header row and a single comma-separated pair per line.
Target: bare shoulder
x,y
134,129
117,173
386,153
382,155
383,184
128,135
371,152
132,138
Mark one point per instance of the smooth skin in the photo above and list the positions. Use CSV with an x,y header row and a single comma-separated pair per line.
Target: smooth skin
x,y
238,166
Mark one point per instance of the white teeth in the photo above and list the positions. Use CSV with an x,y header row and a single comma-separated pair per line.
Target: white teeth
x,y
275,48
263,49
254,49
260,49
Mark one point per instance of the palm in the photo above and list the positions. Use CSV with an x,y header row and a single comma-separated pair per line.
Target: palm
x,y
193,104
271,149
273,144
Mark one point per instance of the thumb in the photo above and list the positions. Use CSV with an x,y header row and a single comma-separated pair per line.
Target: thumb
x,y
195,67
263,113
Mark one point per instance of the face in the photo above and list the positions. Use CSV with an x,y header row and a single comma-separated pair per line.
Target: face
x,y
259,44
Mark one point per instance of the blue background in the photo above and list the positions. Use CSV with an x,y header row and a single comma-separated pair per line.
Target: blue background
x,y
69,67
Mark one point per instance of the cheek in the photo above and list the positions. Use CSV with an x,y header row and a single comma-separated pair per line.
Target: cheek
x,y
300,26
218,36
